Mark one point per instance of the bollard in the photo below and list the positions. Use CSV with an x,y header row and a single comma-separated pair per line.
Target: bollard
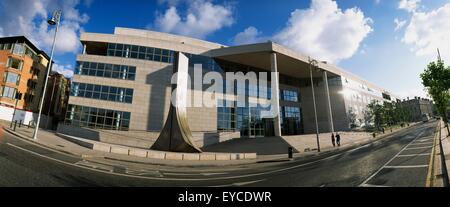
x,y
290,152
11,125
20,123
15,124
374,135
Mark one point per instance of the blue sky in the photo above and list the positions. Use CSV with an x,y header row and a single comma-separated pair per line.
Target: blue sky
x,y
387,42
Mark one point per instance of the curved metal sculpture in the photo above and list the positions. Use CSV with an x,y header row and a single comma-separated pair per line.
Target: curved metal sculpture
x,y
176,135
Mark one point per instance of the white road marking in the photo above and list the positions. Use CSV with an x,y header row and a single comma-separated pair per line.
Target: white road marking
x,y
358,148
379,170
374,186
239,184
423,143
414,148
423,140
414,155
143,172
406,166
95,165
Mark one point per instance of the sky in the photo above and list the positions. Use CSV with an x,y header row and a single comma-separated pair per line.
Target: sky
x,y
387,42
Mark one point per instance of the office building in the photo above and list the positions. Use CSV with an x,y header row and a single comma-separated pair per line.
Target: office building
x,y
122,82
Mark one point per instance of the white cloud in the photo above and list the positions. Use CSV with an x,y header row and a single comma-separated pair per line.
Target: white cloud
x,y
409,5
65,70
399,24
202,18
377,1
325,31
29,18
428,31
248,36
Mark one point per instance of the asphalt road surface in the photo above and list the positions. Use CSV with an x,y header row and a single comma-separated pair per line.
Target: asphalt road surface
x,y
401,159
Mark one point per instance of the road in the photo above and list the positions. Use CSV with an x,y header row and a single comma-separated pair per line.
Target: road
x,y
401,159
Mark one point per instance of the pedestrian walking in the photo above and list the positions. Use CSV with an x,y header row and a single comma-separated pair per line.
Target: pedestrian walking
x,y
338,140
333,140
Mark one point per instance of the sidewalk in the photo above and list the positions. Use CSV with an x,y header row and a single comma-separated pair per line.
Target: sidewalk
x,y
51,140
445,152
270,147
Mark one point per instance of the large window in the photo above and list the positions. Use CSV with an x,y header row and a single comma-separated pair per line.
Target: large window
x,y
140,52
9,92
18,49
6,46
97,118
15,63
288,95
100,92
291,112
291,120
106,70
226,120
12,78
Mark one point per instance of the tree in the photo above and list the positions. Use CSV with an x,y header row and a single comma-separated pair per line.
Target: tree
x,y
375,112
436,79
352,118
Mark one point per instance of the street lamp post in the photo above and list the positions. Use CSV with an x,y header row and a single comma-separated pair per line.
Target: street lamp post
x,y
53,21
314,63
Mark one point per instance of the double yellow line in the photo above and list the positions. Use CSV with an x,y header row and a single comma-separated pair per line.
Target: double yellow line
x,y
430,175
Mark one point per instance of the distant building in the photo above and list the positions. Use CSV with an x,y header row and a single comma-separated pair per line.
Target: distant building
x,y
22,70
418,107
57,98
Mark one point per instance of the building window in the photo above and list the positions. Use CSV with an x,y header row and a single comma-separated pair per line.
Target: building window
x,y
91,117
18,49
12,78
106,70
140,52
100,92
15,63
289,95
6,46
9,92
226,120
291,120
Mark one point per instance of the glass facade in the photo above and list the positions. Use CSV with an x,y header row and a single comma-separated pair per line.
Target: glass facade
x,y
84,116
140,52
291,120
246,120
106,70
101,92
289,95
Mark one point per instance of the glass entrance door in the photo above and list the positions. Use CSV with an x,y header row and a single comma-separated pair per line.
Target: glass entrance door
x,y
256,124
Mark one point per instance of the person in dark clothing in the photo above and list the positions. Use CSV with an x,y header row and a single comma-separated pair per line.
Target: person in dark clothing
x,y
333,140
338,139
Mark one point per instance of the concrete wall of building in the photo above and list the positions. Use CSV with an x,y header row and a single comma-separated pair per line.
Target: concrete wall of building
x,y
151,99
340,119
